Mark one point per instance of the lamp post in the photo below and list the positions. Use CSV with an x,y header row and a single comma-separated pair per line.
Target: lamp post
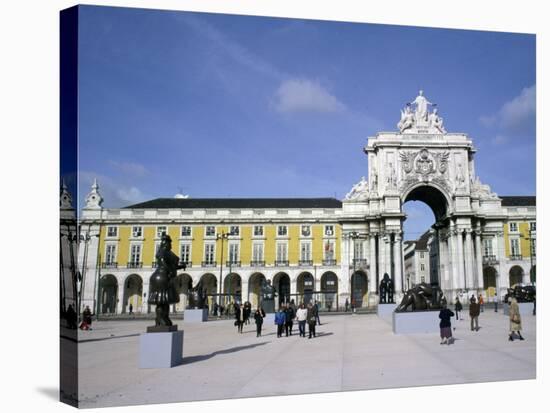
x,y
223,236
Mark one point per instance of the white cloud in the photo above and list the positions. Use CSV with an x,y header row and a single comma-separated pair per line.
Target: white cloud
x,y
499,140
130,168
114,193
516,114
303,95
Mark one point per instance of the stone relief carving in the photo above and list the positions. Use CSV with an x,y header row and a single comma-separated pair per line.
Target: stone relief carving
x,y
374,180
483,191
407,158
392,179
424,166
407,119
436,121
460,180
420,120
359,191
424,163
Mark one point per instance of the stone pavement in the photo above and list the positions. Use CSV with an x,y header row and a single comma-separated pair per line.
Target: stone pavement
x,y
351,352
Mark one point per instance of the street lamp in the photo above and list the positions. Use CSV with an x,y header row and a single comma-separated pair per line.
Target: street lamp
x,y
223,236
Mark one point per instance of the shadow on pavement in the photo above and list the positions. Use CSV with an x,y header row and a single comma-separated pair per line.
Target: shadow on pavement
x,y
106,338
50,392
202,357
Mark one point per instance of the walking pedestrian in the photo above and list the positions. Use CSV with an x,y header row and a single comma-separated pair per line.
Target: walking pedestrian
x,y
496,302
515,320
280,320
131,309
474,315
316,309
290,314
311,320
301,316
71,317
446,333
86,323
458,308
247,312
346,305
481,303
239,318
259,315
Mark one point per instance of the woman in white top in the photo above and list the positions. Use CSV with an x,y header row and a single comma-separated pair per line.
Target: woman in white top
x,y
301,316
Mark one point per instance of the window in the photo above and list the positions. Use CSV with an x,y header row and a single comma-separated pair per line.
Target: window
x,y
532,226
513,227
233,253
487,247
282,251
135,254
110,254
329,250
112,231
329,230
422,267
306,230
185,253
514,246
210,231
422,279
136,232
209,253
282,230
358,250
185,231
421,255
258,231
258,251
305,251
161,230
234,230
533,247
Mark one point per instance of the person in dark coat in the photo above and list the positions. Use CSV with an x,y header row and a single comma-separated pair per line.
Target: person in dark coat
x,y
458,308
446,333
316,309
239,318
290,314
247,312
71,317
259,315
311,320
346,305
474,314
280,320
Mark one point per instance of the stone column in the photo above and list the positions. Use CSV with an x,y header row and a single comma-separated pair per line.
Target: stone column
x,y
120,295
244,290
460,259
387,253
372,264
381,254
479,260
397,264
503,279
453,258
468,260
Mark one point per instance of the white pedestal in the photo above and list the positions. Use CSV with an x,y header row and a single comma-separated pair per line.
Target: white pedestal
x,y
416,322
524,309
385,310
199,315
160,350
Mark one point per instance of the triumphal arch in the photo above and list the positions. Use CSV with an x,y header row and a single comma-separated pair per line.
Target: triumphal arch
x,y
421,161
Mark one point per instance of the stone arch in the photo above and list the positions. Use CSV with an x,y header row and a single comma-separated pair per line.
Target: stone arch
x,y
108,293
133,294
433,195
210,283
516,275
305,287
232,287
255,288
281,282
490,281
359,288
182,283
329,291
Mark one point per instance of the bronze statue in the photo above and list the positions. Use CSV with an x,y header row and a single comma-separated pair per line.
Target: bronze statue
x,y
524,294
268,297
196,295
386,290
422,297
162,291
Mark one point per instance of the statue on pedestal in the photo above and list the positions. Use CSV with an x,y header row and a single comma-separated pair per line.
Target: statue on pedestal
x,y
360,190
268,297
436,121
407,119
162,291
422,297
196,296
421,112
386,290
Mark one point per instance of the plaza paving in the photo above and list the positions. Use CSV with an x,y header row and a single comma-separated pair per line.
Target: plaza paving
x,y
350,353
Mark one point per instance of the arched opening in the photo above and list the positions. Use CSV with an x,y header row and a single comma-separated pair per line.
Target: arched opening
x,y
329,291
305,285
133,294
255,288
232,287
516,275
210,284
281,282
426,209
182,284
359,284
108,290
490,281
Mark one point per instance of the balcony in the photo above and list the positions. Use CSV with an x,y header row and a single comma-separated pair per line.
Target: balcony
x,y
257,263
329,262
305,263
134,265
281,263
490,260
360,263
233,263
209,263
109,265
516,257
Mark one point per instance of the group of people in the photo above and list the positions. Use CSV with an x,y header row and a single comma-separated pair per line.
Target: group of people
x,y
72,318
476,307
284,318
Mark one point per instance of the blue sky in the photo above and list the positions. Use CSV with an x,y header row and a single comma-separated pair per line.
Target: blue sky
x,y
236,106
